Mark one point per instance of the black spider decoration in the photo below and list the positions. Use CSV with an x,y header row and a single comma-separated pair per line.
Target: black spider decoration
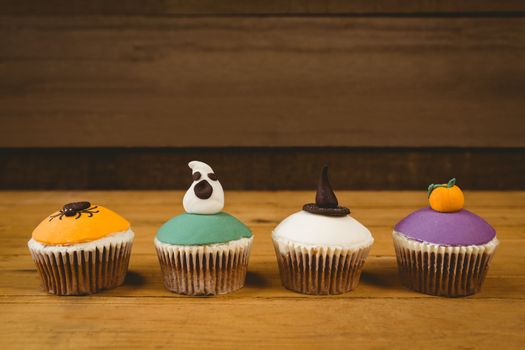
x,y
76,208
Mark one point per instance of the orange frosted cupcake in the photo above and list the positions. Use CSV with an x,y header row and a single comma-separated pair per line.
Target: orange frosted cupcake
x,y
81,249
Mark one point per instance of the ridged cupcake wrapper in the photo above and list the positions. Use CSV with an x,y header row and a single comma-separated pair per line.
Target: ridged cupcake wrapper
x,y
81,272
443,270
316,270
204,270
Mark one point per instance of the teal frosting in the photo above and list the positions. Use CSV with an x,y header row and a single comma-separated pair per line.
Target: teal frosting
x,y
200,229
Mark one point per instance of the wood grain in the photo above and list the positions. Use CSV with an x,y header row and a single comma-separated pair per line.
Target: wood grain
x,y
259,7
113,81
379,313
301,324
261,168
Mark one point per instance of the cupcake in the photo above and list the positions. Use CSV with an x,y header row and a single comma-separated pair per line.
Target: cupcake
x,y
444,249
321,249
81,249
204,251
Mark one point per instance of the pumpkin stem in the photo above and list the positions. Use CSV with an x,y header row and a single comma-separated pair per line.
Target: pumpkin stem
x,y
431,188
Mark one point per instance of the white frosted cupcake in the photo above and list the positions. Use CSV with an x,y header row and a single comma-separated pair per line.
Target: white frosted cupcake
x,y
321,249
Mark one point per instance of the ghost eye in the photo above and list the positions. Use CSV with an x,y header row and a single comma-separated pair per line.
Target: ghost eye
x,y
212,176
196,175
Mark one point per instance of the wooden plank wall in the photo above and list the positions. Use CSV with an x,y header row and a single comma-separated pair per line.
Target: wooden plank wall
x,y
418,76
261,7
189,82
261,168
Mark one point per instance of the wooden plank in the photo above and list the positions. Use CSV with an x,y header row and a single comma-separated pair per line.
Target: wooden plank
x,y
379,313
259,7
93,81
261,168
302,324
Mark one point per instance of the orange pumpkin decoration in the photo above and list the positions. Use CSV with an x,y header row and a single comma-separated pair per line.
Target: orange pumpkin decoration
x,y
446,198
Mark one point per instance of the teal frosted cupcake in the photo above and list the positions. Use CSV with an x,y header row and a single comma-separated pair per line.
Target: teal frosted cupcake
x,y
204,251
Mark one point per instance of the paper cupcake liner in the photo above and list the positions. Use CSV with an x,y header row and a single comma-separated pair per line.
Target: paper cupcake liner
x,y
320,270
204,270
84,268
443,270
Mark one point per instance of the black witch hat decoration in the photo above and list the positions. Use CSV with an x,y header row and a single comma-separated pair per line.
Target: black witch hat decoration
x,y
325,200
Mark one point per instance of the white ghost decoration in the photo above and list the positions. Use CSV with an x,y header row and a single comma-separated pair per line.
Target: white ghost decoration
x,y
205,195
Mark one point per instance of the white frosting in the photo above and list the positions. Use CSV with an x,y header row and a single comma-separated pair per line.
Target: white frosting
x,y
206,248
195,205
113,239
318,231
412,244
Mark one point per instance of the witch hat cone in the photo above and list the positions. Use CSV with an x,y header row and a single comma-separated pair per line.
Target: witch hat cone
x,y
325,199
325,196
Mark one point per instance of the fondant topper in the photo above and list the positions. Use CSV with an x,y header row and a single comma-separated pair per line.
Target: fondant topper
x,y
205,195
325,200
75,209
446,198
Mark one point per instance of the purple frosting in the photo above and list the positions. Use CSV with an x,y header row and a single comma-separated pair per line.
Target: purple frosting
x,y
455,229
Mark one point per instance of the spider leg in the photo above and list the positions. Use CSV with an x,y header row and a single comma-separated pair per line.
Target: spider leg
x,y
51,217
78,215
90,211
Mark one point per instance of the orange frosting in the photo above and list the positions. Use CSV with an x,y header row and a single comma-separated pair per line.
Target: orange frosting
x,y
69,230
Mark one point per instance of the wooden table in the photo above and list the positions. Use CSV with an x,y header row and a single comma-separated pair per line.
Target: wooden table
x,y
380,313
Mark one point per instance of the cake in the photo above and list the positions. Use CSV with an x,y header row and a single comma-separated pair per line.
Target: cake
x,y
81,249
444,249
321,249
205,250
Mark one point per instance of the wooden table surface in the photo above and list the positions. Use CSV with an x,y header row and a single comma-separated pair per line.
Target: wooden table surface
x,y
380,313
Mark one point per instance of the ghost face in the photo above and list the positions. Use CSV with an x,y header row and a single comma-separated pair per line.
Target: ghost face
x,y
205,195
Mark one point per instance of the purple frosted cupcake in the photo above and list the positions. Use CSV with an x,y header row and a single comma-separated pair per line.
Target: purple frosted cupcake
x,y
444,249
